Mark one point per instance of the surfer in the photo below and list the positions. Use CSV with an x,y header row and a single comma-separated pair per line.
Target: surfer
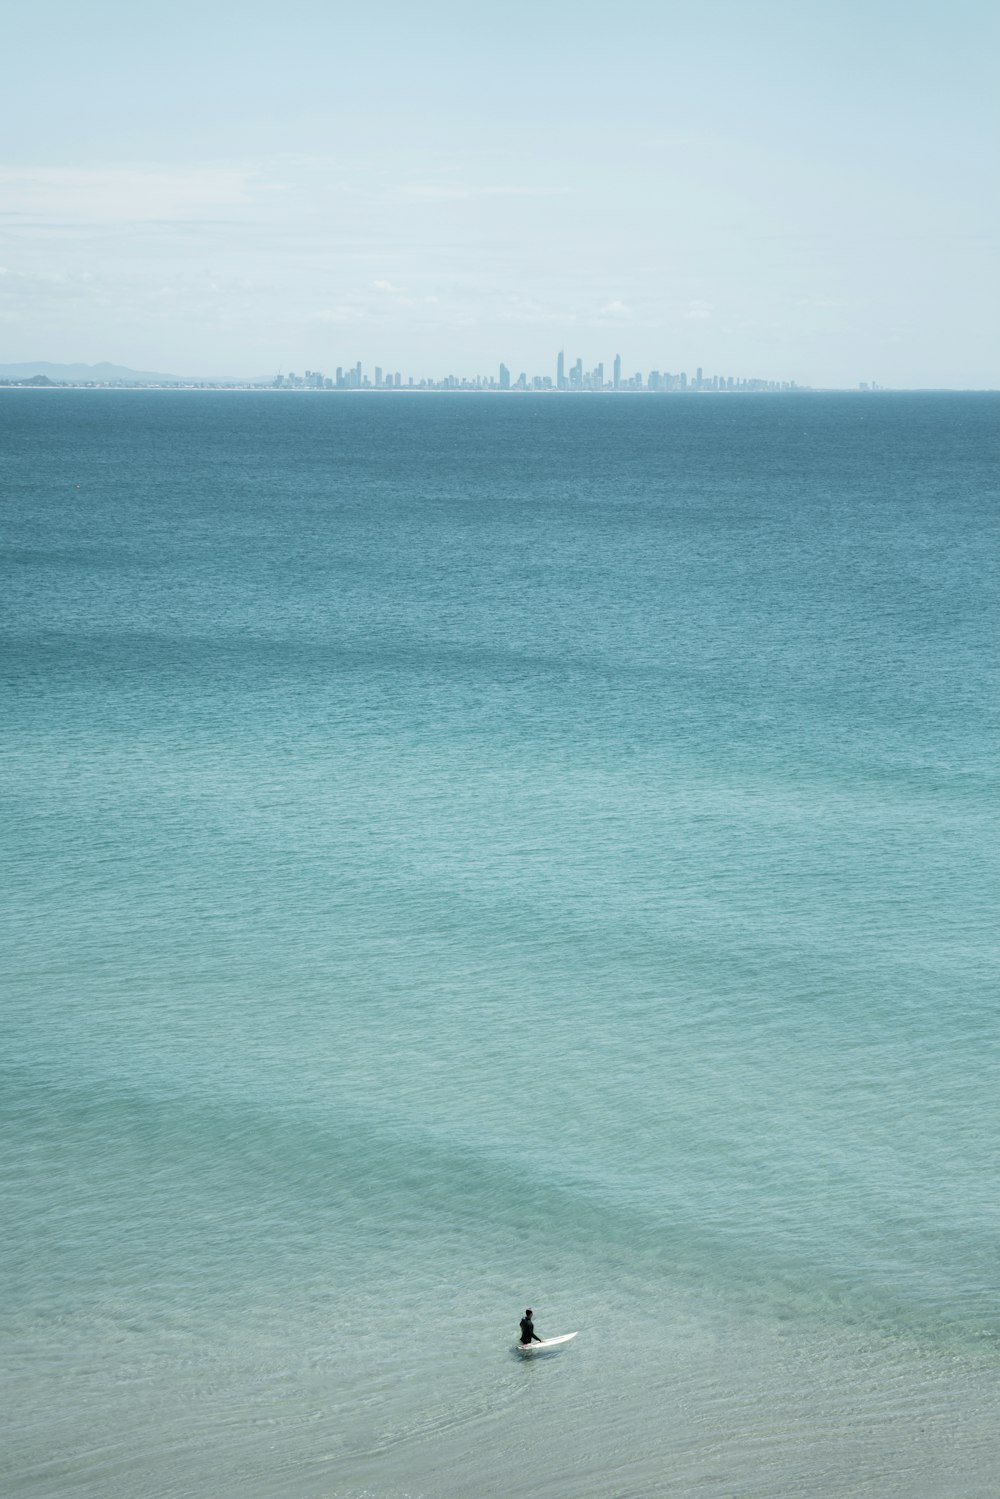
x,y
528,1333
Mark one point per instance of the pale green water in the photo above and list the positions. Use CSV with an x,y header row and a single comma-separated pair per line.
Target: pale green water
x,y
462,853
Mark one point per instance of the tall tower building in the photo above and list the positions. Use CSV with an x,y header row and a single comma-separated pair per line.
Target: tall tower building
x,y
561,371
618,372
505,377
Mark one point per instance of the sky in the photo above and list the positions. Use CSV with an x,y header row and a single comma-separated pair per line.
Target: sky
x,y
788,189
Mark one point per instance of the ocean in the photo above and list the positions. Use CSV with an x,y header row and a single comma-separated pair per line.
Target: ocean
x,y
462,853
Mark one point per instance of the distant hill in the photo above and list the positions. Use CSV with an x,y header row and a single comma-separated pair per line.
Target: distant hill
x,y
102,373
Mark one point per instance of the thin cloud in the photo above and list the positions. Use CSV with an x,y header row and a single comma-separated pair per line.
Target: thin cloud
x,y
433,192
25,284
101,195
522,310
345,312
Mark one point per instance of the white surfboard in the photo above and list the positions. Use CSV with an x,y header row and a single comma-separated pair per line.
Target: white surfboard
x,y
545,1344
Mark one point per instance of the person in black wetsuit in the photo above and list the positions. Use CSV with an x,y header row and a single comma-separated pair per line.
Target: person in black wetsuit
x,y
528,1333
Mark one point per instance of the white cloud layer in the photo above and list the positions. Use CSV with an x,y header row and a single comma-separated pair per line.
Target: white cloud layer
x,y
122,195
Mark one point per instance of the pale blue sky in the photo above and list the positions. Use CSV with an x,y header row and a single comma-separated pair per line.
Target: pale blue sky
x,y
796,190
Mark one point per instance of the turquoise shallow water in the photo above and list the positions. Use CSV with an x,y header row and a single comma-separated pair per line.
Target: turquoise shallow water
x,y
466,852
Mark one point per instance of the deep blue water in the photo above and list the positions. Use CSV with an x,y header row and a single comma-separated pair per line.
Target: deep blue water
x,y
466,852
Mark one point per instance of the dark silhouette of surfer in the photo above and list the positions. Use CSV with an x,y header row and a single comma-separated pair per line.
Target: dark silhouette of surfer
x,y
528,1333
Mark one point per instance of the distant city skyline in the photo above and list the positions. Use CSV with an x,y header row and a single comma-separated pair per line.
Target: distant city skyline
x,y
577,380
356,377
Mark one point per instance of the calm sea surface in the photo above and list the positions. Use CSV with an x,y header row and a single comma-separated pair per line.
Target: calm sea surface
x,y
461,853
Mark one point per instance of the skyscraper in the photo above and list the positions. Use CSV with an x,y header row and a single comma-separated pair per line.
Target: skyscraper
x,y
505,376
618,372
561,371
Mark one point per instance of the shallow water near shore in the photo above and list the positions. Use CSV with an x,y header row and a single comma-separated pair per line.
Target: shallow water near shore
x,y
464,853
